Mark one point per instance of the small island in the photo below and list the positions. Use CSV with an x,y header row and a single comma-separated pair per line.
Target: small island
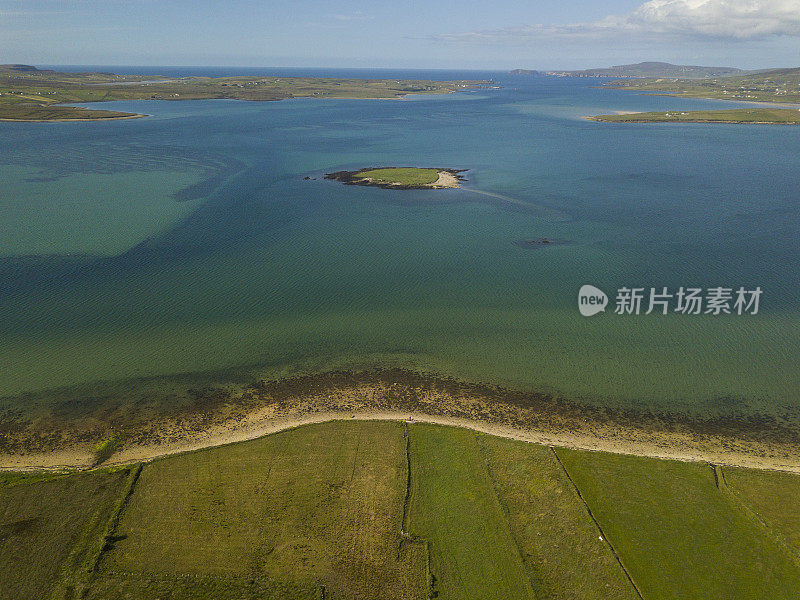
x,y
751,116
400,178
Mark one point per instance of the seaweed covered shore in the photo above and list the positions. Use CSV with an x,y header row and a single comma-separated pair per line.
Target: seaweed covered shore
x,y
64,434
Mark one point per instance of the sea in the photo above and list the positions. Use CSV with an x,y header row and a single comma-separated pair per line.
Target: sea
x,y
204,239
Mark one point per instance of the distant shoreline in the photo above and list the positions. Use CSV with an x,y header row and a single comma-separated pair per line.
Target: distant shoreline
x,y
34,95
725,116
87,119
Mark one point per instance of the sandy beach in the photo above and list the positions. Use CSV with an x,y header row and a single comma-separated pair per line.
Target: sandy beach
x,y
445,180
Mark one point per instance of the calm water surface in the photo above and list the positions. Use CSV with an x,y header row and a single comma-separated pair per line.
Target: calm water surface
x,y
190,241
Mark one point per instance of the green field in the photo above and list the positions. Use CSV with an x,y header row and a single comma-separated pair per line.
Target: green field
x,y
28,94
777,116
319,506
401,175
366,509
51,530
24,111
774,498
677,533
774,85
561,547
454,507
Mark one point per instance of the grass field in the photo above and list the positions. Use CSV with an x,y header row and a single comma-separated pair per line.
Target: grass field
x,y
50,528
454,508
401,175
775,85
773,497
35,112
360,509
319,506
776,116
561,548
678,535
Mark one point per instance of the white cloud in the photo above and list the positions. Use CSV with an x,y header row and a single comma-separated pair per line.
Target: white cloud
x,y
720,19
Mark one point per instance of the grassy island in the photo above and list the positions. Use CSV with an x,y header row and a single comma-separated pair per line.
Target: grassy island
x,y
772,116
403,178
31,94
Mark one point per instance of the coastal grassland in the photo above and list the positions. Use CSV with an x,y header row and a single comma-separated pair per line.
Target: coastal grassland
x,y
777,116
774,497
383,509
28,94
34,112
560,544
320,506
678,535
50,530
9,478
455,509
775,85
401,175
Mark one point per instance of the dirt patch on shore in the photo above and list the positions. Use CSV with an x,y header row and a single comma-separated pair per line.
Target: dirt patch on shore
x,y
63,436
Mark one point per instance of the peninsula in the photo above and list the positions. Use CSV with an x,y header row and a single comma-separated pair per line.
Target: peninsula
x,y
751,116
652,69
776,86
31,94
400,178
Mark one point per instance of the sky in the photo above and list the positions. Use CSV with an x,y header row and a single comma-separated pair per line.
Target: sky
x,y
448,34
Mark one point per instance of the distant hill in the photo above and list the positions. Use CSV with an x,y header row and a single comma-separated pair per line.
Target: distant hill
x,y
24,68
525,72
653,69
790,75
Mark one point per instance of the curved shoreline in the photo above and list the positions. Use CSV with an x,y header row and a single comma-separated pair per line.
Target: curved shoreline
x,y
223,436
220,417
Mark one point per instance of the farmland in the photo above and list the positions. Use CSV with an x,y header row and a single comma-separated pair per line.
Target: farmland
x,y
30,94
449,478
387,509
772,116
773,85
677,533
50,530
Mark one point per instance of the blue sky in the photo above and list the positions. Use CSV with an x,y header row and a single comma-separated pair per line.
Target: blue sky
x,y
466,34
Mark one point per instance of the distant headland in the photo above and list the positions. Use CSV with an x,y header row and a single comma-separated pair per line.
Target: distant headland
x,y
653,69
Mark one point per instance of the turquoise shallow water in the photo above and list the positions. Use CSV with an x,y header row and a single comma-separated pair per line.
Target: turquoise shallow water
x,y
189,241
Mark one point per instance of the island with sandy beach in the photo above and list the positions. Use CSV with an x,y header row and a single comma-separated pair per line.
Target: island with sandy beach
x,y
401,178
